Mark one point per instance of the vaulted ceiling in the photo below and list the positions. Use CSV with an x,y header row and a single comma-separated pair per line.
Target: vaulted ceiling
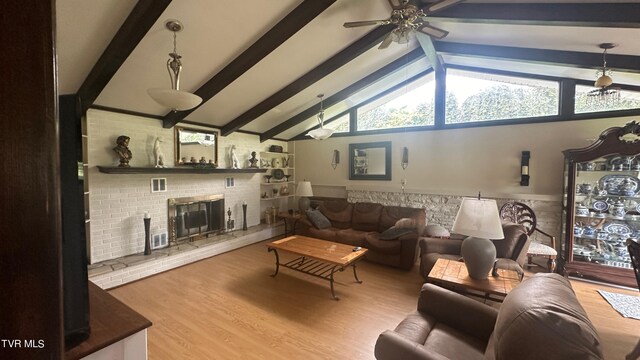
x,y
259,64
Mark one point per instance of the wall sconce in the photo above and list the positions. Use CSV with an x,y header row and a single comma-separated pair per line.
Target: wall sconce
x,y
405,158
335,160
524,168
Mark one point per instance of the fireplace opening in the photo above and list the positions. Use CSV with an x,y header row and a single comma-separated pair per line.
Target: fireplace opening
x,y
191,218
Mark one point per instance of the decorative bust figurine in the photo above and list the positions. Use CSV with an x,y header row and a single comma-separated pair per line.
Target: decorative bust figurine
x,y
122,149
253,161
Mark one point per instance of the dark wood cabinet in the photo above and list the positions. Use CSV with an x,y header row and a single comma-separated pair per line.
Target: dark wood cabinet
x,y
601,206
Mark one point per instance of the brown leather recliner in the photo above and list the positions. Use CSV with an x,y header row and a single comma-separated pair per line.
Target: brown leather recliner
x,y
539,319
511,252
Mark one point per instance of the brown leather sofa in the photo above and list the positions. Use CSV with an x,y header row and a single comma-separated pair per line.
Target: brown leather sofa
x,y
511,252
361,224
539,319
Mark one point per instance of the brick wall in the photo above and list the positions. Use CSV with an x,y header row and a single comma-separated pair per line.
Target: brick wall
x,y
117,202
442,209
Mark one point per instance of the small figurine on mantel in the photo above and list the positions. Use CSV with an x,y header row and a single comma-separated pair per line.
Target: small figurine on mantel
x,y
122,149
233,158
253,161
157,151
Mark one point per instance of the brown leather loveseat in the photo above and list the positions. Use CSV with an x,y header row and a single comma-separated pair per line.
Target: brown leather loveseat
x,y
364,224
539,319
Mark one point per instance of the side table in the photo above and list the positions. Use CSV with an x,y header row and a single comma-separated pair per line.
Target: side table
x,y
289,218
453,275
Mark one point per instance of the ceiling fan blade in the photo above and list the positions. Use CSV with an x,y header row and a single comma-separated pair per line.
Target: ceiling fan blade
x,y
386,42
365,23
440,5
432,31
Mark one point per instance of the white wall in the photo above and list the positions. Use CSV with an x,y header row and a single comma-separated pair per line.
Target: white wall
x,y
460,161
118,201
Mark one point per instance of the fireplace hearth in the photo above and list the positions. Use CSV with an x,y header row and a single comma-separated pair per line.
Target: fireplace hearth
x,y
192,218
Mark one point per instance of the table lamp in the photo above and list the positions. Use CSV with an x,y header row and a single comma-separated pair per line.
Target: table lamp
x,y
304,191
478,218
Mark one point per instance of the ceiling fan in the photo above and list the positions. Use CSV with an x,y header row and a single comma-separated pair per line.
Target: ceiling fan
x,y
408,16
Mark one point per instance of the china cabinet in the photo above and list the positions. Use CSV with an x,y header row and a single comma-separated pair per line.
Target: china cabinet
x,y
601,206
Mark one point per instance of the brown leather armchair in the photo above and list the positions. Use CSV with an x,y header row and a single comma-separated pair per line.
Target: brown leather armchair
x,y
511,252
539,319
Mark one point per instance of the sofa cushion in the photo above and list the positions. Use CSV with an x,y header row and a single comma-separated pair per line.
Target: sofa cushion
x,y
318,219
324,234
373,242
454,344
545,311
391,214
351,237
338,212
394,233
366,216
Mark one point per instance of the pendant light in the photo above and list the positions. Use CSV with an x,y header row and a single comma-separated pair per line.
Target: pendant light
x,y
320,133
604,92
174,98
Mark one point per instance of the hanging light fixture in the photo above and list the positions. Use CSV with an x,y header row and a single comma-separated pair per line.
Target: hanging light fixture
x,y
320,133
174,98
604,92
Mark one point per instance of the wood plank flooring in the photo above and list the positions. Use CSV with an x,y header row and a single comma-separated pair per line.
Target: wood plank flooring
x,y
228,307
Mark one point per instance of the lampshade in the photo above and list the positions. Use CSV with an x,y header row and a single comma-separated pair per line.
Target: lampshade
x,y
321,133
478,218
304,189
174,99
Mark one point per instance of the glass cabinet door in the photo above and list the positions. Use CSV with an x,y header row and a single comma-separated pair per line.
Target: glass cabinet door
x,y
606,210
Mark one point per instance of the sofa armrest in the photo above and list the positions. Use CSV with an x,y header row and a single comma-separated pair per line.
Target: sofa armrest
x,y
408,250
441,246
460,312
391,345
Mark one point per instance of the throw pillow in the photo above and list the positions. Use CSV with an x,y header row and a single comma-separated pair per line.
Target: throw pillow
x,y
318,219
393,233
436,231
405,223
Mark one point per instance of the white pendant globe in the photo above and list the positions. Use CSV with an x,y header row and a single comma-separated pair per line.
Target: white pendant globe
x,y
320,134
174,99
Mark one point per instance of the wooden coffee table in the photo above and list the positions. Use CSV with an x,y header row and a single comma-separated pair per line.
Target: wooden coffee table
x,y
453,275
319,258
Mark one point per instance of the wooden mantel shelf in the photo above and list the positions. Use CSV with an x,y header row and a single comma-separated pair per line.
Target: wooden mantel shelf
x,y
174,170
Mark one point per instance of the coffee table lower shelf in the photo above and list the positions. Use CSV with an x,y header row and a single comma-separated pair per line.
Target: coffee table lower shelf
x,y
315,268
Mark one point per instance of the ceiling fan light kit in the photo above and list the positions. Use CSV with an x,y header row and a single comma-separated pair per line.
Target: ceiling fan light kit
x,y
604,93
408,17
174,98
320,133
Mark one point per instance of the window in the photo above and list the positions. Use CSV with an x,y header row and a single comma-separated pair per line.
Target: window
x,y
474,97
584,104
339,125
411,105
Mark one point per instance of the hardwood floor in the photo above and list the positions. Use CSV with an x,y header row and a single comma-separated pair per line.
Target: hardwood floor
x,y
228,307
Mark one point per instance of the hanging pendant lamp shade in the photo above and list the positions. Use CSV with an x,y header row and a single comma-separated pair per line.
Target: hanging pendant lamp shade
x,y
320,133
604,92
174,98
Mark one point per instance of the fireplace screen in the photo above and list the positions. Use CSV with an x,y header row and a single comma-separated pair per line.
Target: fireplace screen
x,y
195,217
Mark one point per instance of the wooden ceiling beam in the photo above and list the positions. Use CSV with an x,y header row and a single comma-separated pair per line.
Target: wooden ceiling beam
x,y
271,40
349,90
351,52
620,15
134,28
586,60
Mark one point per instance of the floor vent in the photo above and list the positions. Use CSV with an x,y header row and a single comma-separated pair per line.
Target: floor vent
x,y
159,241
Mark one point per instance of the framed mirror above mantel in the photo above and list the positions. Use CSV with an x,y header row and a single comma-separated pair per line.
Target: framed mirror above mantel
x,y
195,146
370,161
